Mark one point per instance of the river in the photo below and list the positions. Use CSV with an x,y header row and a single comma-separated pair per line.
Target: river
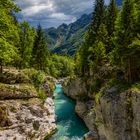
x,y
70,126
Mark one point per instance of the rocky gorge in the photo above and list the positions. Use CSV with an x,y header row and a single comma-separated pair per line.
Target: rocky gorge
x,y
23,114
112,116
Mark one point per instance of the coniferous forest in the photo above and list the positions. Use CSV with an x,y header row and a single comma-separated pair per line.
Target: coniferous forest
x,y
101,73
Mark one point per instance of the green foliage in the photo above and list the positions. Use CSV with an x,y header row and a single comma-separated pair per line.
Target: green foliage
x,y
9,37
40,52
37,77
91,37
111,16
66,39
7,52
112,47
61,66
27,35
41,94
124,41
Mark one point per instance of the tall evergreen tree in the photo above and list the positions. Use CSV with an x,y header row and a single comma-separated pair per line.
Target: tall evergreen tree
x,y
99,49
40,52
27,36
124,36
98,18
111,16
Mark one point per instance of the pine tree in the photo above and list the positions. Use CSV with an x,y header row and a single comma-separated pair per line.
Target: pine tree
x,y
111,16
27,35
99,49
40,52
98,18
124,36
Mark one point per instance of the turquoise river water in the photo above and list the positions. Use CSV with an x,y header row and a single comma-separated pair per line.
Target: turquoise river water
x,y
70,126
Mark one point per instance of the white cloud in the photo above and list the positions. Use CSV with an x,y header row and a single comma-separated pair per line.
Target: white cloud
x,y
30,11
53,12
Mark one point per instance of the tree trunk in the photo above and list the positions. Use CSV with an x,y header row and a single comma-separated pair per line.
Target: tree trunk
x,y
129,71
1,69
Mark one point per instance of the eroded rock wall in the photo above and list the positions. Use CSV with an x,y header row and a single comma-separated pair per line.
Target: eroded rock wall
x,y
116,116
24,115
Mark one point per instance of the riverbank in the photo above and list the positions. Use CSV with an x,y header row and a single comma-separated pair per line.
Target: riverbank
x,y
26,108
112,116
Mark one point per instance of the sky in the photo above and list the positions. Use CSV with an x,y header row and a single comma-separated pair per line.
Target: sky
x,y
52,13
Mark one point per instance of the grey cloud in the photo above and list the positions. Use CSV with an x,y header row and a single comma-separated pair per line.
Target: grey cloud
x,y
52,12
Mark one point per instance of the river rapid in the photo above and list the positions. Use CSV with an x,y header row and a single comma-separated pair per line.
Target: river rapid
x,y
70,126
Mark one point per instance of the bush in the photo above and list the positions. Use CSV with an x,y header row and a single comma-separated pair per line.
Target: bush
x,y
37,77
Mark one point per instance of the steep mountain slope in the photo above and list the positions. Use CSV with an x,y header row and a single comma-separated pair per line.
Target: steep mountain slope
x,y
66,38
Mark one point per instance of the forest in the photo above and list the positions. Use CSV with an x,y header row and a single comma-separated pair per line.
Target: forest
x,y
44,93
24,47
111,44
111,49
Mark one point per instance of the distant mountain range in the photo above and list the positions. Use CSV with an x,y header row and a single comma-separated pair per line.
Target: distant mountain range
x,y
67,38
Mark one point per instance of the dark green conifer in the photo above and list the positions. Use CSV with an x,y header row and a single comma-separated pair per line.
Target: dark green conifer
x,y
40,52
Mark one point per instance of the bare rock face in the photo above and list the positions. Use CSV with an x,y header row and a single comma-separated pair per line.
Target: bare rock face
x,y
116,116
119,118
74,88
26,119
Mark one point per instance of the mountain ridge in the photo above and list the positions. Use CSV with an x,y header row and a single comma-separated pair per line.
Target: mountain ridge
x,y
65,39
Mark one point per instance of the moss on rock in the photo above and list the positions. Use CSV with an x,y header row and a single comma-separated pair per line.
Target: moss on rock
x,y
20,91
4,120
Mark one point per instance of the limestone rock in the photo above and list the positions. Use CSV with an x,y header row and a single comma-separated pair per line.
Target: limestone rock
x,y
91,136
18,91
14,77
115,117
27,120
74,88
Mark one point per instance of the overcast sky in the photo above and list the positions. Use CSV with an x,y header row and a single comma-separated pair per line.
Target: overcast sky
x,y
52,13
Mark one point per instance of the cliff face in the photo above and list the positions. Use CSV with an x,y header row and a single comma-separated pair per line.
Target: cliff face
x,y
115,116
23,114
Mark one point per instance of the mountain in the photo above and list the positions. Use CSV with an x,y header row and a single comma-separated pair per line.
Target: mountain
x,y
66,38
119,2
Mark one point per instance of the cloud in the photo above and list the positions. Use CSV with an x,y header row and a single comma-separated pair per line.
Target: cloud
x,y
52,12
